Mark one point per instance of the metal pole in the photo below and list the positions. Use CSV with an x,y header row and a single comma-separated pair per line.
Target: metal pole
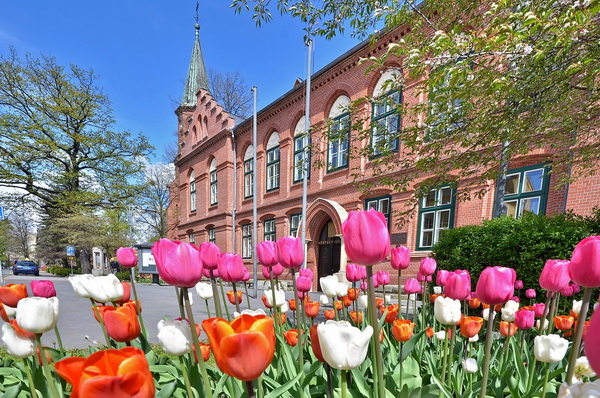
x,y
305,166
234,209
254,212
498,208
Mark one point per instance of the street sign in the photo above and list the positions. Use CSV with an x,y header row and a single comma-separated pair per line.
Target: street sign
x,y
71,251
1,213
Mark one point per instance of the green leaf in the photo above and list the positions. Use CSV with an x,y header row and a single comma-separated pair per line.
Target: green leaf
x,y
167,390
276,393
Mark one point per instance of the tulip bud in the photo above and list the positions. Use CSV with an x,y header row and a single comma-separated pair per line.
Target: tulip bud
x,y
266,252
127,257
458,285
178,263
400,257
231,267
324,299
447,311
539,309
43,288
519,284
329,285
551,348
38,314
366,237
555,275
290,252
584,268
577,306
343,346
353,272
383,277
524,319
204,290
16,346
279,297
428,266
175,336
441,277
210,254
470,365
412,286
530,293
496,285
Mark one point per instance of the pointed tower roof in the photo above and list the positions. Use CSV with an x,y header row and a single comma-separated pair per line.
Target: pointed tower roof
x,y
196,77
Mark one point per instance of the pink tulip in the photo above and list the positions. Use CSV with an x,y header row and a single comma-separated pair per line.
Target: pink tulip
x,y
576,288
246,277
555,275
496,285
301,295
516,299
383,278
276,270
363,273
366,237
266,252
441,277
458,285
524,319
591,346
400,257
364,286
210,255
584,268
428,266
306,272
530,293
231,267
353,272
43,288
206,273
421,277
303,283
519,284
539,309
178,263
412,286
291,252
567,291
127,257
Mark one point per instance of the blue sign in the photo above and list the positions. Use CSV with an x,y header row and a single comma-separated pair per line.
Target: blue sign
x,y
71,251
1,213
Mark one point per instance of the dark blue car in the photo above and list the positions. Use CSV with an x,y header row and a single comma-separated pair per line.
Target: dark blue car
x,y
26,267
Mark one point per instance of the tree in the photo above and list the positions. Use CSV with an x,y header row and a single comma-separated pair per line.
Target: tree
x,y
155,198
56,140
501,79
21,233
231,91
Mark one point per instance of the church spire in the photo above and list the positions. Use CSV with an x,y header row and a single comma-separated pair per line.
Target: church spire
x,y
196,77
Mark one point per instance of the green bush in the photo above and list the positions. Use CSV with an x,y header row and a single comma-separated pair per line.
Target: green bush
x,y
523,244
62,271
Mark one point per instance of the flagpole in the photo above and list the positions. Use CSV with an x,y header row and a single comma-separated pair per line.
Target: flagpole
x,y
254,212
305,165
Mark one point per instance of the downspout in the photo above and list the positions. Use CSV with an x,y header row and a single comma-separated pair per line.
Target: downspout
x,y
234,207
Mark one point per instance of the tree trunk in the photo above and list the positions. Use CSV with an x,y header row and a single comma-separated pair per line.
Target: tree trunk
x,y
84,258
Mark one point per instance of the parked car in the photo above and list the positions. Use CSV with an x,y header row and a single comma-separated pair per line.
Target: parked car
x,y
26,267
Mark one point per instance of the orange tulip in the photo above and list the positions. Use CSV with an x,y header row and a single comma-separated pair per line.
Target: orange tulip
x,y
108,373
101,309
265,302
122,322
429,332
392,313
205,349
20,332
353,293
474,303
528,308
563,322
282,316
356,316
470,325
126,293
3,313
329,314
381,335
337,305
312,308
243,348
507,328
314,343
291,337
573,314
231,297
292,303
11,294
402,329
379,302
347,301
434,296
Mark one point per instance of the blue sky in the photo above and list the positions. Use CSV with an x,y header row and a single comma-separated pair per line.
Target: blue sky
x,y
141,51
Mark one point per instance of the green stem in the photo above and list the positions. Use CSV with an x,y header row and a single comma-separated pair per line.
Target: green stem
x,y
545,380
445,359
451,353
275,309
207,309
375,337
190,317
299,303
247,298
47,374
99,316
59,340
329,384
400,363
216,297
137,303
29,379
344,383
400,298
545,314
486,357
225,300
250,389
532,370
180,302
587,295
186,377
260,387
237,304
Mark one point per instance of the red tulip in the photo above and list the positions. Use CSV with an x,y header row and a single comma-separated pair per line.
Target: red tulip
x,y
591,346
392,312
428,266
108,373
266,252
126,293
458,285
356,316
11,294
524,319
470,326
412,286
353,293
291,252
400,257
292,303
496,285
210,254
291,337
122,322
429,332
402,330
314,343
555,275
584,268
127,257
178,263
366,237
421,277
43,288
231,267
441,277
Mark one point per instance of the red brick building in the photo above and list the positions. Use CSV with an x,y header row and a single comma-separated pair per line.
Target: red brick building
x,y
213,190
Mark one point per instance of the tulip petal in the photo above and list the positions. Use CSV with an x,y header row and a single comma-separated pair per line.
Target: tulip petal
x,y
70,369
247,354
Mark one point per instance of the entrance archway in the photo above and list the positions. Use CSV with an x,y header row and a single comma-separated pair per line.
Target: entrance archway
x,y
328,261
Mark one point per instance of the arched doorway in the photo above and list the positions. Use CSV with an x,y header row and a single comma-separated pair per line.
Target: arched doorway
x,y
328,261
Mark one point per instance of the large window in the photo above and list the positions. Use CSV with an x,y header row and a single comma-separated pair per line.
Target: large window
x,y
526,190
381,204
192,192
339,135
247,241
385,120
273,162
301,149
295,223
212,238
248,172
269,226
214,192
436,213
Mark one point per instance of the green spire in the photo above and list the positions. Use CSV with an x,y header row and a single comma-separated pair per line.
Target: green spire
x,y
196,77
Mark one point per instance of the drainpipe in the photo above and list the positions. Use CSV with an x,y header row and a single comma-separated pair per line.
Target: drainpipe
x,y
254,212
305,156
234,207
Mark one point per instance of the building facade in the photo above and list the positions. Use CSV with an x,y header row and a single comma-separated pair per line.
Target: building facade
x,y
213,191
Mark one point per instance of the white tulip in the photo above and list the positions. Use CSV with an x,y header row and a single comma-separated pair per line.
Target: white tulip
x,y
437,290
388,298
342,289
37,314
412,296
474,339
441,335
285,307
279,297
512,305
447,311
582,369
175,336
79,283
330,285
343,345
577,306
537,324
551,348
16,346
508,314
470,365
324,299
10,311
580,390
364,300
104,289
486,314
204,290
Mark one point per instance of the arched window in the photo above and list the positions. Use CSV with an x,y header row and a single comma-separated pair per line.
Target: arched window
x,y
248,172
301,146
339,134
385,120
192,185
273,162
214,193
